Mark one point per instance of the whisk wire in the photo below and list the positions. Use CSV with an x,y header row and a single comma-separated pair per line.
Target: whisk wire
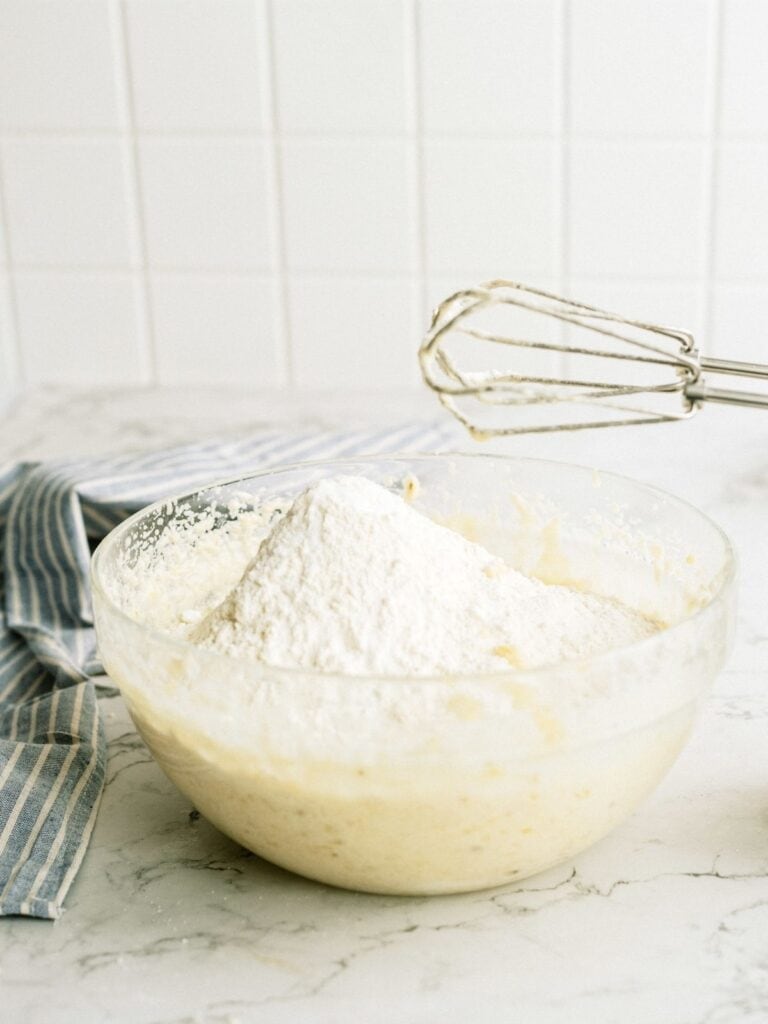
x,y
551,346
666,349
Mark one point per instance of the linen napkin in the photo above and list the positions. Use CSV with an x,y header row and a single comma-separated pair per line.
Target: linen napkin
x,y
52,746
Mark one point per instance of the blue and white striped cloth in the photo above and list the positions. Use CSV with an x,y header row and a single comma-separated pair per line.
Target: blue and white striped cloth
x,y
52,745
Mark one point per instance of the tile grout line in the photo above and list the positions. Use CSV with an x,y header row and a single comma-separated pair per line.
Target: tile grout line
x,y
710,197
131,269
21,269
411,13
612,138
125,92
13,303
277,206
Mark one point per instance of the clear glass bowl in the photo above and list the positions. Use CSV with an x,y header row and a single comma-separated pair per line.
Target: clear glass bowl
x,y
430,785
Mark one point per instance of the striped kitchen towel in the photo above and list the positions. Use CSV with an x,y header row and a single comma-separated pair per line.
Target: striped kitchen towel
x,y
52,746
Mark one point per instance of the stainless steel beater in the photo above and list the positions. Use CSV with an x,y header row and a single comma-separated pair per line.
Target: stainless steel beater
x,y
659,370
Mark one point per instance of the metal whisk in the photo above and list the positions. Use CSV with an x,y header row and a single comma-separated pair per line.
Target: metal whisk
x,y
636,373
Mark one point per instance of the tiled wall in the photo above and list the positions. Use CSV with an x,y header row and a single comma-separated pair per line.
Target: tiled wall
x,y
274,193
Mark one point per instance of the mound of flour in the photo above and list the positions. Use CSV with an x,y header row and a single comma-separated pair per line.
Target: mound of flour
x,y
352,579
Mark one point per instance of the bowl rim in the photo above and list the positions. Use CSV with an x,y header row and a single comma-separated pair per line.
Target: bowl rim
x,y
727,577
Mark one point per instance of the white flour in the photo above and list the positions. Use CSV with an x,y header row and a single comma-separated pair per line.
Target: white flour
x,y
354,580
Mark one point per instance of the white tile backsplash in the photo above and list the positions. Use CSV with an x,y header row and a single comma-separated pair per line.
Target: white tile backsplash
x,y
347,205
216,329
639,68
340,66
272,191
744,104
511,88
636,209
491,203
739,315
8,387
206,203
742,226
349,330
77,328
56,65
3,235
195,63
66,202
10,372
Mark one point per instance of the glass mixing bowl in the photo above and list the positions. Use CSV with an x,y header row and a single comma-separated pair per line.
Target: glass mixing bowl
x,y
425,785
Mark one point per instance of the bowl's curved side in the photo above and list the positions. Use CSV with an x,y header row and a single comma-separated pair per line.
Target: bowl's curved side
x,y
451,830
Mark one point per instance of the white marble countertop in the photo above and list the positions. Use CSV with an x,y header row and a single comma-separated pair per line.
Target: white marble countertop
x,y
666,920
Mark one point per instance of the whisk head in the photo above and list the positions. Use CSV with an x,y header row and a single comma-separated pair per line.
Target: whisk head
x,y
539,362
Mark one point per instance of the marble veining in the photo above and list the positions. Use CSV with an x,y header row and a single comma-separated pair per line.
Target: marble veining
x,y
666,920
